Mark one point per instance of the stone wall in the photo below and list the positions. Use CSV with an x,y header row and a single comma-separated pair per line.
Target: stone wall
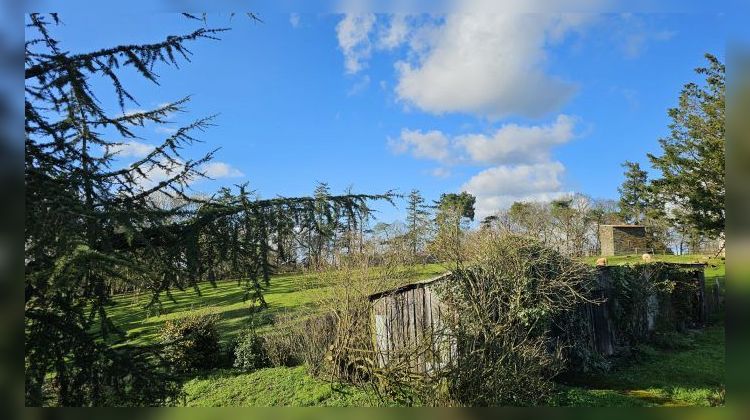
x,y
622,240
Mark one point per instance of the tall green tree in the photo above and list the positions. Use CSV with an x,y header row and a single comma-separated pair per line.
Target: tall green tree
x,y
453,210
634,193
90,225
693,154
417,221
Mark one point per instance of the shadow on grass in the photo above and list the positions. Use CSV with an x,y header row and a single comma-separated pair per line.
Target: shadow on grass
x,y
694,375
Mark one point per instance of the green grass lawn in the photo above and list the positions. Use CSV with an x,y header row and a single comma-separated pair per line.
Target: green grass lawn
x,y
286,293
279,386
689,375
692,375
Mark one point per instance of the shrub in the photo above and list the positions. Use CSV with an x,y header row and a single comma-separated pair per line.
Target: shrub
x,y
250,352
500,309
302,340
192,343
282,347
718,397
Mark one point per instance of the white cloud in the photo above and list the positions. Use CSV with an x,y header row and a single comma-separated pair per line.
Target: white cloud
x,y
440,172
487,58
432,145
519,159
498,187
165,130
633,33
131,149
516,179
394,34
487,64
221,170
353,33
294,19
511,143
516,143
360,86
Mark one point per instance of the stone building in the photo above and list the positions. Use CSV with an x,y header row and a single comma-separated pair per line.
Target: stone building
x,y
622,239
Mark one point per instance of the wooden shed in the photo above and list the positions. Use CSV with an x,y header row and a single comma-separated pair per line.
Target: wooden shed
x,y
411,317
409,325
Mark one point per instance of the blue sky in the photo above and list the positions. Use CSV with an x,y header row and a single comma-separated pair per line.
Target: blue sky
x,y
513,107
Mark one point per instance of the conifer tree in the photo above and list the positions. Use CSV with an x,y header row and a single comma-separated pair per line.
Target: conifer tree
x,y
90,225
692,162
417,221
634,193
452,211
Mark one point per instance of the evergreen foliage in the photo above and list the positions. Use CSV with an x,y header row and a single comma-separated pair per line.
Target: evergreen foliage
x,y
92,227
191,343
417,221
249,352
634,193
692,162
453,210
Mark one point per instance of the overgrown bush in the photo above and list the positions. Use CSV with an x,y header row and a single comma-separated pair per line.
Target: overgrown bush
x,y
250,352
282,347
191,343
319,335
501,306
301,339
658,293
574,331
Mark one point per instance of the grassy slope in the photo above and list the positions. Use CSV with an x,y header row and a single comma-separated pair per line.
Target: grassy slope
x,y
286,293
690,376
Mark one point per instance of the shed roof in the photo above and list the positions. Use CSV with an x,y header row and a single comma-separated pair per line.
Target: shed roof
x,y
406,287
624,226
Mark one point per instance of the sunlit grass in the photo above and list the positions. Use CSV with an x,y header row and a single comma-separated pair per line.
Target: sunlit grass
x,y
285,294
280,386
